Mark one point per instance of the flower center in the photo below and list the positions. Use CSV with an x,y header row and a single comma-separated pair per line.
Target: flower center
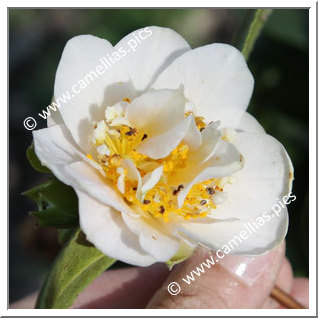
x,y
116,142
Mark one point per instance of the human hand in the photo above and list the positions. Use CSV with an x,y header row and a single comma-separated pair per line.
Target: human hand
x,y
234,282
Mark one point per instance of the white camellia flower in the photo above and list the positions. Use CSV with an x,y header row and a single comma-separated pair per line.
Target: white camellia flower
x,y
160,150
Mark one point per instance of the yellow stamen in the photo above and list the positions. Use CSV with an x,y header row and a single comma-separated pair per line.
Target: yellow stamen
x,y
199,121
161,201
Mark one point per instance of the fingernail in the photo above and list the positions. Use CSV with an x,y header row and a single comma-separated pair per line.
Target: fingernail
x,y
248,269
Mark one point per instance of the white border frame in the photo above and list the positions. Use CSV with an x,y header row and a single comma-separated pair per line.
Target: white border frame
x,y
312,157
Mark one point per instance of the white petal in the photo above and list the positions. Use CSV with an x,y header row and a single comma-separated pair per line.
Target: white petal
x,y
266,177
100,132
210,139
133,174
153,238
225,154
81,58
156,49
55,117
157,111
112,112
93,163
104,227
87,179
211,136
56,148
220,197
262,233
161,145
103,150
226,159
249,124
216,80
151,179
193,136
225,162
121,183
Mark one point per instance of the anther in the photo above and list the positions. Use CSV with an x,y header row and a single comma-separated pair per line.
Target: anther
x,y
176,191
131,132
210,190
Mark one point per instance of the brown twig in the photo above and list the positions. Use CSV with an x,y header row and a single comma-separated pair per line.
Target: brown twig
x,y
285,299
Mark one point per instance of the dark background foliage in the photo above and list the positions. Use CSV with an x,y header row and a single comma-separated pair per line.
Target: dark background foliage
x,y
279,64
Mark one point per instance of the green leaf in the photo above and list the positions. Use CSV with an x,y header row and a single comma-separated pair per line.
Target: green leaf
x,y
183,253
57,204
64,235
260,18
75,267
54,217
34,160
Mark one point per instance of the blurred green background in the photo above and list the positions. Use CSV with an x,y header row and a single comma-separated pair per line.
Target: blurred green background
x,y
280,102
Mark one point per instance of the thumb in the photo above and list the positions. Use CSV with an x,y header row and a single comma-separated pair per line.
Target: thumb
x,y
232,282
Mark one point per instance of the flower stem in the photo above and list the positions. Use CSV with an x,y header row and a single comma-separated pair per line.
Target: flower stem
x,y
285,299
254,31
